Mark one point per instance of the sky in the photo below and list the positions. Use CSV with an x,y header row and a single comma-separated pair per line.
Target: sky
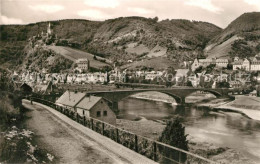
x,y
218,12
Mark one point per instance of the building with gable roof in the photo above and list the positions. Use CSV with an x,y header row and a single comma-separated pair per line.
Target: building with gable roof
x,y
248,64
223,63
96,107
83,65
70,99
88,106
255,65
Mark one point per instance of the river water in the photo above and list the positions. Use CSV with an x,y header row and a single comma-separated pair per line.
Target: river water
x,y
224,129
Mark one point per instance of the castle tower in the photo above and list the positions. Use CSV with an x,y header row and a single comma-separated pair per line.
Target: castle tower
x,y
49,29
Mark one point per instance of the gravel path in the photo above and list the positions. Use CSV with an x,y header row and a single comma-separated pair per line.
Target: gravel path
x,y
71,142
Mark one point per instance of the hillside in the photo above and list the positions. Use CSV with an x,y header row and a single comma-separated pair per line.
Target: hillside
x,y
73,55
133,38
119,39
157,63
241,38
42,57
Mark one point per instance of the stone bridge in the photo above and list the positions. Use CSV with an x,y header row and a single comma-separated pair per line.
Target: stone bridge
x,y
179,94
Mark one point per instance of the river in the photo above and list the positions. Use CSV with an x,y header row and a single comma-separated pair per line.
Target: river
x,y
224,129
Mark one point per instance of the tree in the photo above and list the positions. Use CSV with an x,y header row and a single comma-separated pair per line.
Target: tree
x,y
174,135
155,19
189,83
198,70
229,66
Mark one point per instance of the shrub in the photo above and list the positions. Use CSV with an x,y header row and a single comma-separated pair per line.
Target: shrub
x,y
174,135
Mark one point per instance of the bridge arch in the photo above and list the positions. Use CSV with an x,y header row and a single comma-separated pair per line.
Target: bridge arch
x,y
177,98
119,96
214,92
179,94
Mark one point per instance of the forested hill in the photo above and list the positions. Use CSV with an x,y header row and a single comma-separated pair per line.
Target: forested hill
x,y
241,38
117,39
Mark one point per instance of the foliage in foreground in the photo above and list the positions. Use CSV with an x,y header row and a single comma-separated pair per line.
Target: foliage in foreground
x,y
18,147
174,135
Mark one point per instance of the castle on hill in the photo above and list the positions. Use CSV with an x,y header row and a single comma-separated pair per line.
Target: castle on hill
x,y
45,38
49,32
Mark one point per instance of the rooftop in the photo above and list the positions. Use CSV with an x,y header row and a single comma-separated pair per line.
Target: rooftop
x,y
88,102
70,98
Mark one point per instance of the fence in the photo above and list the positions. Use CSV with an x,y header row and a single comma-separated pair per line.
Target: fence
x,y
152,149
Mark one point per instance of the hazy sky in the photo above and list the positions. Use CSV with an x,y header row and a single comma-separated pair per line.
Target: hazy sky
x,y
218,12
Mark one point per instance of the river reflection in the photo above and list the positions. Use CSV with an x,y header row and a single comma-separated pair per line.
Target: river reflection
x,y
225,129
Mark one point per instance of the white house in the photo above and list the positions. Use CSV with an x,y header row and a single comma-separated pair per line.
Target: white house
x,y
222,63
83,64
247,64
180,74
70,99
255,66
88,106
96,107
206,62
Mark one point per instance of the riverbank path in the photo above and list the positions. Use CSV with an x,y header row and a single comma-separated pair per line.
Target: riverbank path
x,y
71,142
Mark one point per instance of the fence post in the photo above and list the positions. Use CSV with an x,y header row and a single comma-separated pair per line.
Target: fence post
x,y
92,124
77,117
117,136
179,157
103,128
136,143
154,151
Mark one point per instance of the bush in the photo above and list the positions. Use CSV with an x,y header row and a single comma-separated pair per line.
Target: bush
x,y
174,135
10,108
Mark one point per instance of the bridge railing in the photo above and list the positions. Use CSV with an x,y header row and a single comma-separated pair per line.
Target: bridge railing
x,y
152,149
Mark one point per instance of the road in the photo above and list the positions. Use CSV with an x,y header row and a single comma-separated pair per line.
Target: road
x,y
71,142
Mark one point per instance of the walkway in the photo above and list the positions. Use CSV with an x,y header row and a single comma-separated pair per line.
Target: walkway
x,y
71,142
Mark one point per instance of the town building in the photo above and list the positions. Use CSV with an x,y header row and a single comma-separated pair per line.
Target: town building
x,y
201,63
97,77
96,107
181,74
88,106
222,63
151,75
194,79
255,66
116,76
70,99
237,64
82,65
44,89
248,64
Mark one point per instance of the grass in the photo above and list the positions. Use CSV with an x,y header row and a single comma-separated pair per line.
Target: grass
x,y
73,55
157,63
